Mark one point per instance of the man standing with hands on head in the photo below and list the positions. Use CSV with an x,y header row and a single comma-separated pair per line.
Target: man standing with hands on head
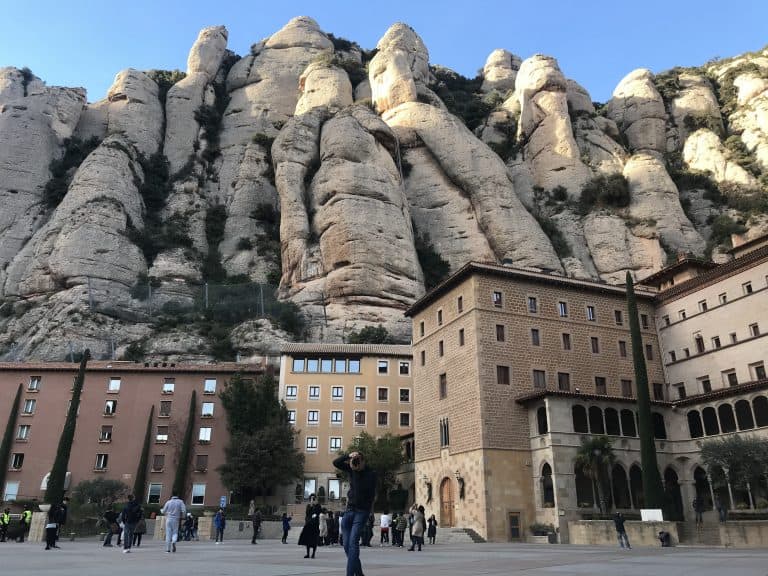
x,y
362,491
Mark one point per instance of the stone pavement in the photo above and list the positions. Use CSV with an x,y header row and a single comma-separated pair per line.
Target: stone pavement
x,y
271,558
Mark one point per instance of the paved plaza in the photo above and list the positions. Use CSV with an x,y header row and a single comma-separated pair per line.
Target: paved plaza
x,y
271,558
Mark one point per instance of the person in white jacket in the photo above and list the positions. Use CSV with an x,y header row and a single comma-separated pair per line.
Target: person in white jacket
x,y
174,510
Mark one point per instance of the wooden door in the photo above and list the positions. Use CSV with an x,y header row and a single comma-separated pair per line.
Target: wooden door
x,y
515,532
446,503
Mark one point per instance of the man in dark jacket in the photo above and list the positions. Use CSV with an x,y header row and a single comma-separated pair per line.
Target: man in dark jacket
x,y
621,533
110,517
131,515
362,491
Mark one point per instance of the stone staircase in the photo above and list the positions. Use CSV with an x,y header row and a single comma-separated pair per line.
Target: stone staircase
x,y
458,536
708,534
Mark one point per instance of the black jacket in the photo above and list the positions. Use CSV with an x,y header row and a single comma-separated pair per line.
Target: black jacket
x,y
362,484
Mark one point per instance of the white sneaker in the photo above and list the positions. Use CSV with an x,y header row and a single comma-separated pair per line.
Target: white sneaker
x,y
126,551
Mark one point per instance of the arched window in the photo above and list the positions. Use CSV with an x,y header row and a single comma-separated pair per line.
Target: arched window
x,y
760,406
596,425
620,487
702,487
694,424
674,497
612,422
636,485
727,421
579,414
585,497
547,488
710,421
659,429
628,427
541,418
744,415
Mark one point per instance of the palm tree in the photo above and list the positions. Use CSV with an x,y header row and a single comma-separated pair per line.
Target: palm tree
x,y
595,458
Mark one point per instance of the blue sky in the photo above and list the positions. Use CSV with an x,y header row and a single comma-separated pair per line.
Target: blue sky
x,y
85,43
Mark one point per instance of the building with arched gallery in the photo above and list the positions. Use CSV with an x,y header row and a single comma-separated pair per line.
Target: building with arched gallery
x,y
513,368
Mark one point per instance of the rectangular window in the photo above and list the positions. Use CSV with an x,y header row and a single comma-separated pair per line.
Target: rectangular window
x,y
729,377
334,485
440,348
539,379
439,317
533,304
404,368
563,381
754,329
423,355
747,287
114,385
445,436
326,365
165,408
622,348
443,386
758,370
383,395
337,393
618,317
666,320
722,298
11,491
207,411
705,383
382,367
405,419
649,351
209,386
106,434
314,392
644,321
154,493
201,462
198,494
102,460
499,332
110,407
291,392
205,434
421,328
566,341
600,385
382,418
169,384
23,432
702,305
313,416
158,462
291,416
359,417
699,343
313,365
626,388
336,416
680,391
562,309
34,383
716,342
360,393
687,352
497,299
340,365
29,406
658,391
461,340
502,375
405,395
672,356
17,461
335,443
535,337
681,314
354,366
591,313
311,444
595,344
162,434
298,364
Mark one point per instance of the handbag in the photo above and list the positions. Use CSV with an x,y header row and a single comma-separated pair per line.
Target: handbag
x,y
115,528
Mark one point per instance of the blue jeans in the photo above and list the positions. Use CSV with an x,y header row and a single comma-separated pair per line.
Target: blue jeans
x,y
128,535
351,524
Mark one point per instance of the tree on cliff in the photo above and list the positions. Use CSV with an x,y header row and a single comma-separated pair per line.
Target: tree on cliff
x,y
139,485
179,481
5,449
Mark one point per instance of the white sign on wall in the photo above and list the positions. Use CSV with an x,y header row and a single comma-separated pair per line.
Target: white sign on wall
x,y
651,515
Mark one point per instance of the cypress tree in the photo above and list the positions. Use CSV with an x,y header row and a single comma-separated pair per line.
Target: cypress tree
x,y
141,471
55,491
179,482
5,449
653,490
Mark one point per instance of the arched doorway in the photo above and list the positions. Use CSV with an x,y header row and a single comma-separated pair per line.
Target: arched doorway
x,y
446,503
703,490
620,487
674,497
636,486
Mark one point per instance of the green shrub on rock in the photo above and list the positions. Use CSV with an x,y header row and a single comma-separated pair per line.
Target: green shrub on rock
x,y
603,191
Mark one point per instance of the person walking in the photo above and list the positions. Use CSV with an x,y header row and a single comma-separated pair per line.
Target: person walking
x,y
256,519
384,521
311,531
140,530
51,526
431,529
402,524
110,518
219,523
322,536
174,510
722,510
362,491
286,520
698,508
621,533
131,515
417,532
26,520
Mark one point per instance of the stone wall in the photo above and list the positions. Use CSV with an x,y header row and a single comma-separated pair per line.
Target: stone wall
x,y
745,534
603,532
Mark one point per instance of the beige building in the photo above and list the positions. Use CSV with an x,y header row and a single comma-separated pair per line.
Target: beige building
x,y
333,393
484,340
